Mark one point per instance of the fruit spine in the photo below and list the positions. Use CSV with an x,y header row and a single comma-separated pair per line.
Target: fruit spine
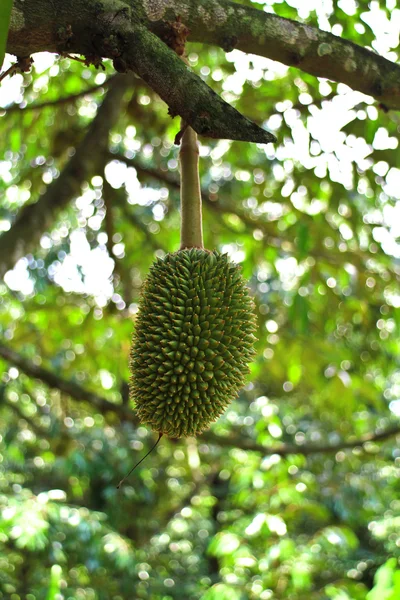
x,y
193,340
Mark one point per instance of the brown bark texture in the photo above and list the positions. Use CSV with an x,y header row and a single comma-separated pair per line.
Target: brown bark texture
x,y
129,32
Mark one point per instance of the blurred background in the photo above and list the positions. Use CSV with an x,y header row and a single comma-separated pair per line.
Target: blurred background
x,y
294,492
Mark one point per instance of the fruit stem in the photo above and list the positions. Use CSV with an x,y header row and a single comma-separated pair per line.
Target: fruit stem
x,y
191,216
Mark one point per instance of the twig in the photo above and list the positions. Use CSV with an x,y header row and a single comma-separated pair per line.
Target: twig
x,y
10,71
138,223
306,450
22,65
81,60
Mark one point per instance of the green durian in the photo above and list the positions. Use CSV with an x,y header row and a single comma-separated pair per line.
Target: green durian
x,y
193,341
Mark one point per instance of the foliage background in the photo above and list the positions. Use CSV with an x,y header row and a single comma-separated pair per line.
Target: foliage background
x,y
252,509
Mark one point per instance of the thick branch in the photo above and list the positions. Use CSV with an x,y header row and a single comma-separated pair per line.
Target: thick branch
x,y
78,26
79,393
113,30
231,25
34,219
185,93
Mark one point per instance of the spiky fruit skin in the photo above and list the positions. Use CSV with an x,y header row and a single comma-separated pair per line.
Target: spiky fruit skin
x,y
193,341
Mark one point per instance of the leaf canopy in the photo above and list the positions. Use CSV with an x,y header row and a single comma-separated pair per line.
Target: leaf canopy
x,y
314,222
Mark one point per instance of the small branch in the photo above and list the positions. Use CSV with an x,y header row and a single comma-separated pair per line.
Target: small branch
x,y
23,65
218,207
148,171
10,71
60,101
138,224
80,394
271,236
119,199
15,408
77,58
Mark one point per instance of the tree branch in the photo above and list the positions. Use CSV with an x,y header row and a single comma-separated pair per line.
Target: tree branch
x,y
231,25
80,394
16,409
118,199
92,27
114,30
172,181
185,93
147,171
33,220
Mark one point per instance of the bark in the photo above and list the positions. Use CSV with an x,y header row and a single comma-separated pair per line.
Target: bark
x,y
36,218
185,93
120,29
112,29
320,53
105,406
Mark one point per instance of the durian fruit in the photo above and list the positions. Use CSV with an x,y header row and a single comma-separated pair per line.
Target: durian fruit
x,y
193,341
194,331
